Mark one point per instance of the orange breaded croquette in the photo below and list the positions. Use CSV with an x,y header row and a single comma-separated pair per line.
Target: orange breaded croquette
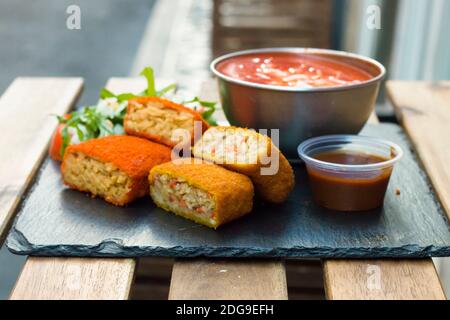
x,y
203,192
248,152
156,119
115,167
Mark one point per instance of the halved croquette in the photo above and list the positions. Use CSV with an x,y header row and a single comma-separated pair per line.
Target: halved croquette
x,y
253,154
203,192
115,168
157,119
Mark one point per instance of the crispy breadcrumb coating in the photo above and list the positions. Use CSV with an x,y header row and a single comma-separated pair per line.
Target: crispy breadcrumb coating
x,y
202,192
113,167
247,152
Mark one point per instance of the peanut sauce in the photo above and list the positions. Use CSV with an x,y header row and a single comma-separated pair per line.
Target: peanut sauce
x,y
349,191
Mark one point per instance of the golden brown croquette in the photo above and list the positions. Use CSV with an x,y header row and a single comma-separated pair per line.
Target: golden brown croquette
x,y
247,152
157,119
203,192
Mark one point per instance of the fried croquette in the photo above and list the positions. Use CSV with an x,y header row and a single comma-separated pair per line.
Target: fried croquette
x,y
203,192
115,168
250,153
157,119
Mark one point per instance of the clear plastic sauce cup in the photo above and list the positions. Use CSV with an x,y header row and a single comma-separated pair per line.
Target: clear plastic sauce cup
x,y
349,172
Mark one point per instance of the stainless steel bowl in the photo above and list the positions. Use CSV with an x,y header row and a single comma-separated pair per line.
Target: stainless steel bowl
x,y
301,113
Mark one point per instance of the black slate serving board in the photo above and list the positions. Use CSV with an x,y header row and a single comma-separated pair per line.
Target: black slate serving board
x,y
54,220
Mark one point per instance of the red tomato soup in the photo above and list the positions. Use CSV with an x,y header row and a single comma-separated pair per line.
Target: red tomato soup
x,y
288,69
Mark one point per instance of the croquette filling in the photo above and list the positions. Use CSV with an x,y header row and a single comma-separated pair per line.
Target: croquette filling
x,y
231,146
101,179
153,118
183,198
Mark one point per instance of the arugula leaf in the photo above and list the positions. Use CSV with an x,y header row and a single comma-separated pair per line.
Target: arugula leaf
x,y
148,74
80,133
208,117
125,97
105,94
206,104
65,138
207,114
150,91
60,119
106,118
163,91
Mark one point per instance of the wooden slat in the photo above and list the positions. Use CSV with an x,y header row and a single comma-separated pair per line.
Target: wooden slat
x,y
399,280
27,124
65,278
74,278
423,108
152,279
228,279
424,111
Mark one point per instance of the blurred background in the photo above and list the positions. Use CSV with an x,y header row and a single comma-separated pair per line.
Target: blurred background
x,y
179,38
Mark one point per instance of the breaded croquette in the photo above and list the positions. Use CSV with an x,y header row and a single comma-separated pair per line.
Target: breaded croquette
x,y
203,192
253,154
157,119
115,168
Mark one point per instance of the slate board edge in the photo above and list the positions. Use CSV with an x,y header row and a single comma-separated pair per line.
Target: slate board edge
x,y
18,244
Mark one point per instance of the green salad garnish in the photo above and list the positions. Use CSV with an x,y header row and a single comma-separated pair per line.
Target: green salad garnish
x,y
106,117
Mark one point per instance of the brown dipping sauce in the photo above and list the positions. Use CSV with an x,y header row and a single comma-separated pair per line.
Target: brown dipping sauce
x,y
349,191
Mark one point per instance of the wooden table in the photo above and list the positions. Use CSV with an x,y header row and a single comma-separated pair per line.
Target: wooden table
x,y
422,108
